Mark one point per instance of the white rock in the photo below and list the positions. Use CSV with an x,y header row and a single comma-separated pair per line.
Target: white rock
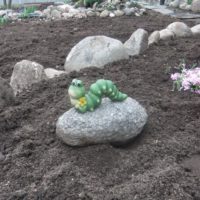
x,y
143,11
91,13
118,13
64,8
80,15
2,13
183,6
196,30
25,73
137,14
74,11
154,37
112,14
110,123
195,6
128,11
97,14
95,51
188,7
67,15
180,29
166,34
55,14
137,43
175,3
47,13
14,16
52,73
104,13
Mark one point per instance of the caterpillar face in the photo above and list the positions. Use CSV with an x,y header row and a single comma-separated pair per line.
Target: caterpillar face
x,y
76,89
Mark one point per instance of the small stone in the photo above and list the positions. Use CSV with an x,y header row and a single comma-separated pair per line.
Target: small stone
x,y
154,38
183,6
137,43
67,15
188,7
128,11
175,4
195,6
55,14
104,13
137,14
25,73
111,122
180,29
91,13
118,13
64,8
80,15
196,30
112,14
97,14
52,73
2,13
47,13
166,34
143,11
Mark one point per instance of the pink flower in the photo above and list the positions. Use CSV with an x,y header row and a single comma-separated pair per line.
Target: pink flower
x,y
175,76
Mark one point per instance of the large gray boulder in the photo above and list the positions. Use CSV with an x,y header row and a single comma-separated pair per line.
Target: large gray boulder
x,y
196,30
111,122
6,94
195,6
25,73
94,51
137,43
180,29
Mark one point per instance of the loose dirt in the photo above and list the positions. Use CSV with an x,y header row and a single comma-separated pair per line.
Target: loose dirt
x,y
158,165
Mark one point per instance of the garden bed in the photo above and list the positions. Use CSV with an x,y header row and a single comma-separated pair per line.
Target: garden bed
x,y
160,164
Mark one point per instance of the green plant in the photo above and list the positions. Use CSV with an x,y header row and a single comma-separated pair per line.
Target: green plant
x,y
3,21
110,7
189,2
27,11
134,4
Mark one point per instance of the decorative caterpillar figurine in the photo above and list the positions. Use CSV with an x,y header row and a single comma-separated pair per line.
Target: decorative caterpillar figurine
x,y
88,102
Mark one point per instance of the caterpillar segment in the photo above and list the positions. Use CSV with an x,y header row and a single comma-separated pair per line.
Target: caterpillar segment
x,y
89,101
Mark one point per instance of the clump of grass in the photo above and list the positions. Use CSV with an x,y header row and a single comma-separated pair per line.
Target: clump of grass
x,y
27,11
134,4
3,21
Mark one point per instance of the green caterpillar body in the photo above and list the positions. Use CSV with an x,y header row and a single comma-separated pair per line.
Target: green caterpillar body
x,y
88,102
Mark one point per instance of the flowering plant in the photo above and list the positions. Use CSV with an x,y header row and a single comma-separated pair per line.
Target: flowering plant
x,y
187,79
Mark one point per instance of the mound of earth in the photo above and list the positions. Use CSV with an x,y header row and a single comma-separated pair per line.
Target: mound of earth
x,y
159,165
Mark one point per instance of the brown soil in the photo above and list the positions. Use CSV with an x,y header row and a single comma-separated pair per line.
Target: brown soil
x,y
160,164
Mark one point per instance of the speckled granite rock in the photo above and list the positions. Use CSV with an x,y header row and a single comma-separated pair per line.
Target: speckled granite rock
x,y
111,122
